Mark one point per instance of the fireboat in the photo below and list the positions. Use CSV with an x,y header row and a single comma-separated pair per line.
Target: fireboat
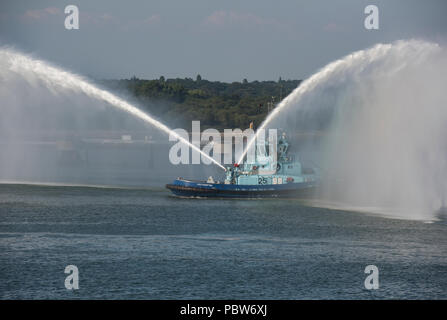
x,y
266,177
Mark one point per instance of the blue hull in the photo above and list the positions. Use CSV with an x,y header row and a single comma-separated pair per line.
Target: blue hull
x,y
187,188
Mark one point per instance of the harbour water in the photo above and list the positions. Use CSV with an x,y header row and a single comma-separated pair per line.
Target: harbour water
x,y
141,243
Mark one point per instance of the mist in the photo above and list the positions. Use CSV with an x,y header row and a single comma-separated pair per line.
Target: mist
x,y
376,123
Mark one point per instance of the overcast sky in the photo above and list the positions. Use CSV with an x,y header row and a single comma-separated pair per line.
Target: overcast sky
x,y
225,40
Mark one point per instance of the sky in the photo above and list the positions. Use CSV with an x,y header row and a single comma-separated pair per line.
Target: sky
x,y
226,40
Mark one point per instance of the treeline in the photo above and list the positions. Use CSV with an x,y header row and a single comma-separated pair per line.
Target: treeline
x,y
216,104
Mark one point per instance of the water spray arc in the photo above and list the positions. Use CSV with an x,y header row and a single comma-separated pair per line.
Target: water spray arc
x,y
358,59
54,77
382,126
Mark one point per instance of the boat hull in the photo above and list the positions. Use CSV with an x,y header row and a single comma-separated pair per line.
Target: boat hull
x,y
186,188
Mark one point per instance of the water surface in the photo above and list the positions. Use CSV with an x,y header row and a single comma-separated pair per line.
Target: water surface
x,y
145,244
